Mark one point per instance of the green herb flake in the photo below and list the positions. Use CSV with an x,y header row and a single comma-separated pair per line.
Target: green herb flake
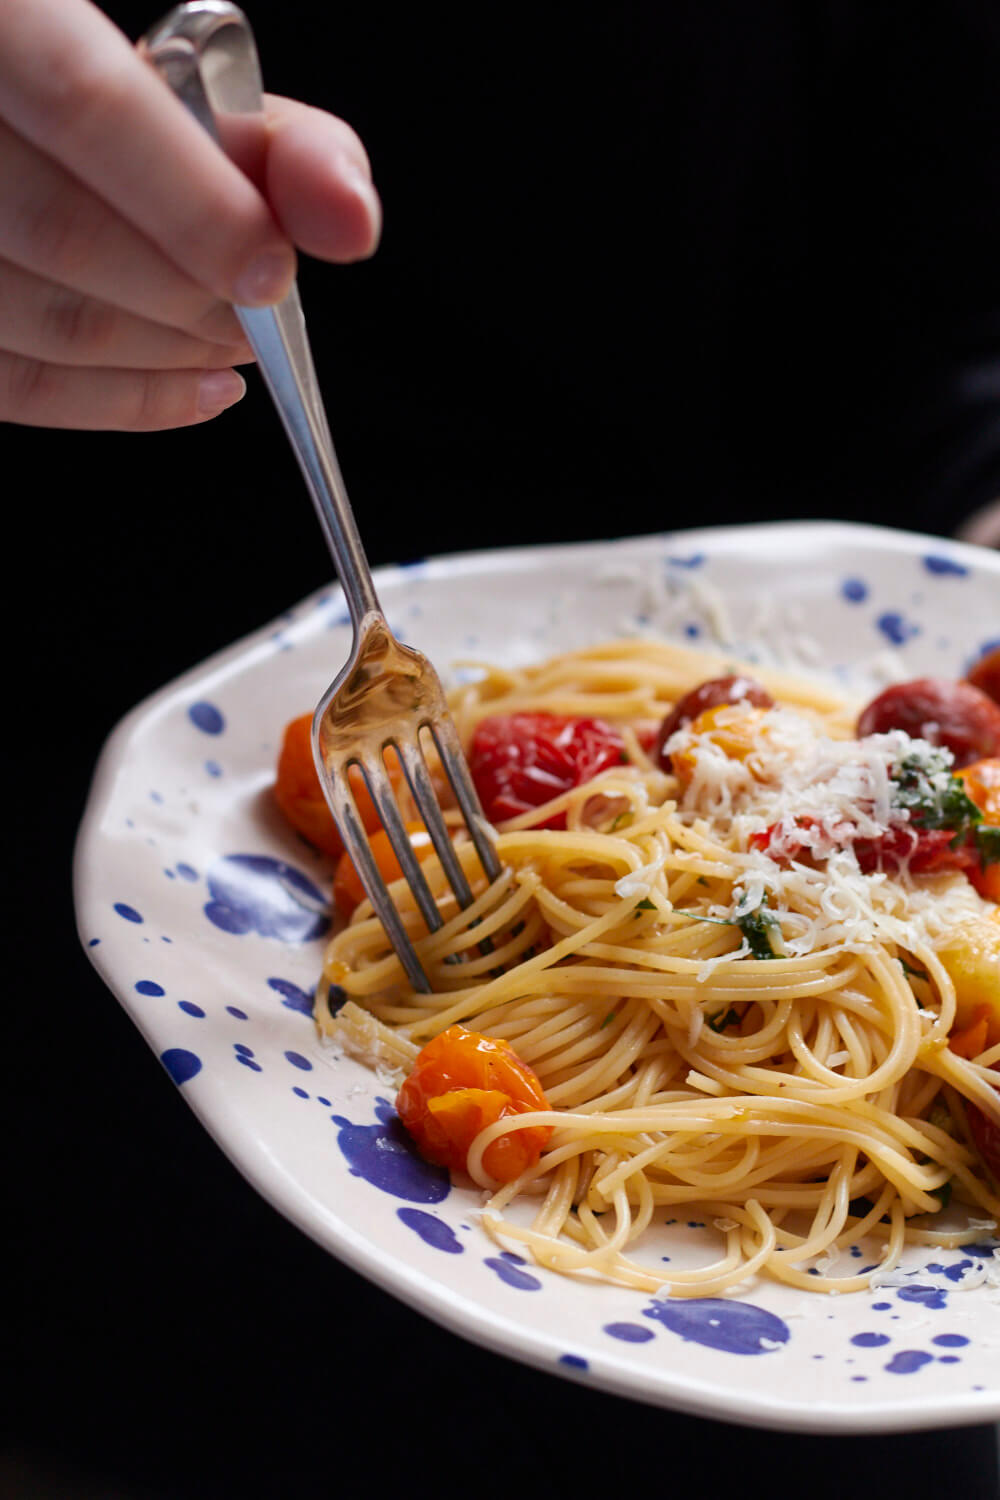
x,y
608,1018
924,786
719,1020
646,905
988,844
912,972
760,927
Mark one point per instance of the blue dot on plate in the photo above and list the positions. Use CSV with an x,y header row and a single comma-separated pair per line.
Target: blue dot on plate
x,y
150,987
574,1361
854,590
234,1010
950,1340
935,563
187,872
896,628
180,1064
190,1009
629,1333
128,912
298,1061
207,718
870,1340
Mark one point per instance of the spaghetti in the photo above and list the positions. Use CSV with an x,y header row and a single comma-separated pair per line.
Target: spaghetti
x,y
727,1013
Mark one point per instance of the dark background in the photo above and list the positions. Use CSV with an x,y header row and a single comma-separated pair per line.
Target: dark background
x,y
645,266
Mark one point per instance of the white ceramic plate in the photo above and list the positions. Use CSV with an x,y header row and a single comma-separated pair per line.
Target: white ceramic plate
x,y
205,915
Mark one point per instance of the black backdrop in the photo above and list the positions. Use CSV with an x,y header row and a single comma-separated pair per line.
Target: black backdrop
x,y
644,267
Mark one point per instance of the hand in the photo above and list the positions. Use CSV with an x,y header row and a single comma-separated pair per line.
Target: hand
x,y
127,234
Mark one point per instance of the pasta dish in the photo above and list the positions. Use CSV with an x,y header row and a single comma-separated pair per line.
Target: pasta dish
x,y
742,964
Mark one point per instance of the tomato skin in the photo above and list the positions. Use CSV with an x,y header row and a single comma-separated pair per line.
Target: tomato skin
x,y
461,1082
982,785
713,693
957,715
348,892
985,675
299,795
520,761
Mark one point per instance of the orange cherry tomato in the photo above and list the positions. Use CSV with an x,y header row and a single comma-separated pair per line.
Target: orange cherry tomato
x,y
300,797
982,785
460,1083
973,1038
733,727
348,892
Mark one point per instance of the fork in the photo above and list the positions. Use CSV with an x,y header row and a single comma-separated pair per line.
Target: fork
x,y
387,694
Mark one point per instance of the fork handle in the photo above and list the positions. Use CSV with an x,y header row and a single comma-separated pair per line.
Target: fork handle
x,y
206,53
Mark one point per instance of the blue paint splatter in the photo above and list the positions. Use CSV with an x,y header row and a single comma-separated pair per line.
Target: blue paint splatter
x,y
128,912
298,1061
256,893
300,1093
959,1270
240,1015
896,629
292,996
150,987
629,1333
385,1156
735,1327
574,1361
950,1340
511,1273
190,1009
187,872
936,563
695,560
180,1064
207,718
907,1361
870,1340
854,590
433,1232
927,1296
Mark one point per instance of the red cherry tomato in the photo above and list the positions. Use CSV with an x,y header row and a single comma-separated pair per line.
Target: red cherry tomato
x,y
957,715
460,1083
711,694
520,761
985,675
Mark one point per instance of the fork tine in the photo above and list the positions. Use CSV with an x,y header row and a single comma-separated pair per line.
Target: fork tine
x,y
420,784
449,748
383,796
352,831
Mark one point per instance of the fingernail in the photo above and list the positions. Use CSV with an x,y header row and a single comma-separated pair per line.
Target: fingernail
x,y
360,183
219,389
265,280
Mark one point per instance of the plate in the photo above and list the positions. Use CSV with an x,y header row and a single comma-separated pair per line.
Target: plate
x,y
206,917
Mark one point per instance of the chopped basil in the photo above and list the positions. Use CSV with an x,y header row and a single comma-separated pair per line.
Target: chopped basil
x,y
720,1019
608,1018
645,904
988,844
923,786
911,971
760,927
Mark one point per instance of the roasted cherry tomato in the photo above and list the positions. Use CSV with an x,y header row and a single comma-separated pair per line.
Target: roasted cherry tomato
x,y
520,761
460,1083
986,1135
348,892
735,734
711,694
923,851
982,785
957,715
300,797
985,675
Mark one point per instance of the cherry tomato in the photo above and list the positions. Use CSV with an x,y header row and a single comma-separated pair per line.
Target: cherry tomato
x,y
735,735
957,715
300,797
711,694
520,761
982,785
348,892
460,1083
985,675
986,1135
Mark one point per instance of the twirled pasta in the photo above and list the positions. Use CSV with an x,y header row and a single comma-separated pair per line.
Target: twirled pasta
x,y
801,1104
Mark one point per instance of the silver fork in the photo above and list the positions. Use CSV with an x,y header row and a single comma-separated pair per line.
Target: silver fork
x,y
387,694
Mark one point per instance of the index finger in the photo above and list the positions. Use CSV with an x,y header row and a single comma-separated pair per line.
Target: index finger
x,y
73,85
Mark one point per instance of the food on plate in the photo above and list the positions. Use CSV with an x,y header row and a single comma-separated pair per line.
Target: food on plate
x,y
742,965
